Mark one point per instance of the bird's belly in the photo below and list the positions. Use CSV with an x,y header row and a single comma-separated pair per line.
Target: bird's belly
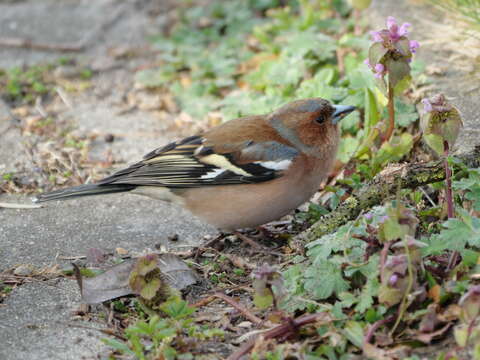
x,y
240,206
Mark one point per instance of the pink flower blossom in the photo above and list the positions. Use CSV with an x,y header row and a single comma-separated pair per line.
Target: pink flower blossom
x,y
379,70
376,36
393,280
396,32
427,106
436,103
393,32
414,45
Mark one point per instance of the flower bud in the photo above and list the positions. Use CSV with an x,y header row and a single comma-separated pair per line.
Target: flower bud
x,y
441,122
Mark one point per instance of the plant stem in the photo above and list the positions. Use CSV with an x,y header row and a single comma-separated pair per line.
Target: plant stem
x,y
375,326
404,304
391,114
290,327
449,198
357,17
242,309
448,181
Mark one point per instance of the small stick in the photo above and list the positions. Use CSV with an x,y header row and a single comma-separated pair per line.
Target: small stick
x,y
203,302
253,318
247,240
29,44
283,331
383,254
375,326
105,331
19,206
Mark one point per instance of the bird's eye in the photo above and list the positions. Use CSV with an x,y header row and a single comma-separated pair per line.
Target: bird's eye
x,y
320,119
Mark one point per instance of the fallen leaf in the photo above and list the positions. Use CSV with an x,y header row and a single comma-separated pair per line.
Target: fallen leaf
x,y
434,293
113,282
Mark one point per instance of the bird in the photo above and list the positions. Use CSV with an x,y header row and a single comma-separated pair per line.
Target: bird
x,y
241,174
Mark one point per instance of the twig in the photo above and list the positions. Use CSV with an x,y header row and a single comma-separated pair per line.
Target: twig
x,y
283,331
247,240
63,97
403,304
29,44
427,196
383,255
204,301
375,326
105,331
71,257
384,185
19,206
253,318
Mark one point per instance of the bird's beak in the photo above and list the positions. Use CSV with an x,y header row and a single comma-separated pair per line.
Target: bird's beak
x,y
340,112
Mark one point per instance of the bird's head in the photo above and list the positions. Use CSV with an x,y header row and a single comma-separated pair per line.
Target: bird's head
x,y
311,125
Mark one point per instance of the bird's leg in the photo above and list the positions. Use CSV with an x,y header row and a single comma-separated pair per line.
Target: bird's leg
x,y
248,240
266,232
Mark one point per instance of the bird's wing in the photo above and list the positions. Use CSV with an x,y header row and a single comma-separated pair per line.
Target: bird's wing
x,y
192,162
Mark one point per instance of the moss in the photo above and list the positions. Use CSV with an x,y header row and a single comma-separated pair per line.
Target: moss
x,y
379,189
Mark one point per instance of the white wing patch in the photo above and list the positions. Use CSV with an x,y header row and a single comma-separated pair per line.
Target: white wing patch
x,y
275,165
223,163
212,174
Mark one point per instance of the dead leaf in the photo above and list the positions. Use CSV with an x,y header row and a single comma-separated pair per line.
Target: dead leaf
x,y
428,337
376,353
434,293
121,251
113,282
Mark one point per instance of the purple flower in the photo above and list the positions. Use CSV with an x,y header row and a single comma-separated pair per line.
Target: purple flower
x,y
392,33
395,32
414,45
376,36
368,216
379,70
427,106
436,103
393,280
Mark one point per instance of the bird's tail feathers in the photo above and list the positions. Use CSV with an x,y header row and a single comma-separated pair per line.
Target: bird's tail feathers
x,y
83,190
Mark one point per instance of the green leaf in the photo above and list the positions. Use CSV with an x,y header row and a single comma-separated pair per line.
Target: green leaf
x,y
324,279
372,113
398,70
263,301
177,308
393,150
353,330
150,289
119,346
376,53
347,148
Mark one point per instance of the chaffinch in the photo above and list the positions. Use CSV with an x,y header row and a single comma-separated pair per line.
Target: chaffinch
x,y
243,173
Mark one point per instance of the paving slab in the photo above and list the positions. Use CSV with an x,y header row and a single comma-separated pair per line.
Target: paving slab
x,y
96,25
69,228
36,318
37,323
